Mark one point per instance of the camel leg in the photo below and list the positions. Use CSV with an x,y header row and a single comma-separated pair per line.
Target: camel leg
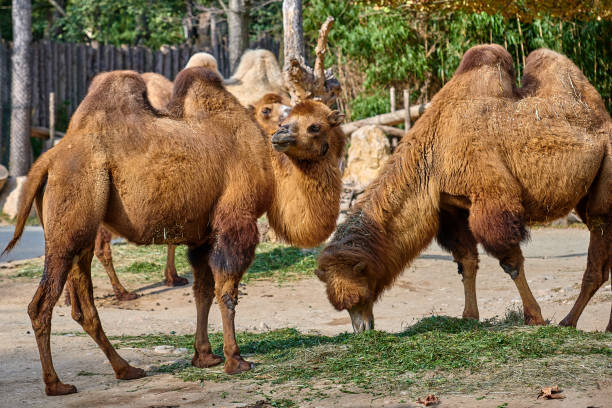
x,y
204,293
455,236
40,310
102,249
498,225
85,313
232,253
172,278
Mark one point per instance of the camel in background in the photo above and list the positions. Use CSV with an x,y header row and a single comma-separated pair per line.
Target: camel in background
x,y
478,167
215,174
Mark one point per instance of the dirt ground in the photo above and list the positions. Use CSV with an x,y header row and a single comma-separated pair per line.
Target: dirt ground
x,y
555,261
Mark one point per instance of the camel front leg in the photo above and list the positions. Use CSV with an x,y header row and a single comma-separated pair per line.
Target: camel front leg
x,y
102,249
85,313
232,253
204,293
171,276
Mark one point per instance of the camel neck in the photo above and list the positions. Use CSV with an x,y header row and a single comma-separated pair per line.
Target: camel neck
x,y
306,199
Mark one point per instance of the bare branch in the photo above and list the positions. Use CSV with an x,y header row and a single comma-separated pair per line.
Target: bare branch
x,y
58,7
319,68
223,6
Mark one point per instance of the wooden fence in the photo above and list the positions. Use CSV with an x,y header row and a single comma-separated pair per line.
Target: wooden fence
x,y
67,69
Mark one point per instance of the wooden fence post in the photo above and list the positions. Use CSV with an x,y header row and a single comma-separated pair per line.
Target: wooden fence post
x,y
407,109
392,98
47,144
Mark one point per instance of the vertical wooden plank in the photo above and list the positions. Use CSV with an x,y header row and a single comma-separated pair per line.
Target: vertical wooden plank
x,y
109,50
118,58
148,60
159,62
69,77
61,76
41,83
175,62
35,85
3,90
74,94
166,65
47,144
392,98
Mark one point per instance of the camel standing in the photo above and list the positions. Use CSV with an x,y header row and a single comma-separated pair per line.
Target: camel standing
x,y
478,167
213,179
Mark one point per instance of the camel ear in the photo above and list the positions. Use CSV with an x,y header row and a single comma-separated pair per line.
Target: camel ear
x,y
321,275
335,118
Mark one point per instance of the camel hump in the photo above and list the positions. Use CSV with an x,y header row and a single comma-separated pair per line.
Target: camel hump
x,y
111,93
490,55
203,59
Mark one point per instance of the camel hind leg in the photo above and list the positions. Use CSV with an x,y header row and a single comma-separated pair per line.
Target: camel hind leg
x,y
171,276
597,214
454,235
85,313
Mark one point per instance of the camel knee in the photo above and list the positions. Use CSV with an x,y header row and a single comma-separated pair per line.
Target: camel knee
x,y
227,293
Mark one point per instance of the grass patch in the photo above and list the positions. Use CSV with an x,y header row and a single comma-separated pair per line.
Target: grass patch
x,y
436,353
281,262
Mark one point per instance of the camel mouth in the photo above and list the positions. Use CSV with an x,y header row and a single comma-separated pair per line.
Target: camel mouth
x,y
362,319
282,139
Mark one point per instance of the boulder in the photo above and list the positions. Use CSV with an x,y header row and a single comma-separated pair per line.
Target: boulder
x,y
369,150
9,199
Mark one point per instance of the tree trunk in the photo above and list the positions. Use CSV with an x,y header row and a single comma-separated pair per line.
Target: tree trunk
x,y
238,26
293,31
21,89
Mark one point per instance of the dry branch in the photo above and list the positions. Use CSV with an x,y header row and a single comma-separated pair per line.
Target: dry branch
x,y
393,118
304,82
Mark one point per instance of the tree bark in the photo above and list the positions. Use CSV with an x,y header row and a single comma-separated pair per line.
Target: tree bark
x,y
293,31
238,27
21,89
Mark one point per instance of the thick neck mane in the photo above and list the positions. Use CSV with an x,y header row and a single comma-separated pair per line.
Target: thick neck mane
x,y
397,216
306,198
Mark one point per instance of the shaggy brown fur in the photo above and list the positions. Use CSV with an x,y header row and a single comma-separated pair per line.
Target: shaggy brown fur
x,y
270,111
159,89
257,74
473,169
211,181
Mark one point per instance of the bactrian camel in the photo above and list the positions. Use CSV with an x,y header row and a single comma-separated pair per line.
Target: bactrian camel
x,y
481,164
212,179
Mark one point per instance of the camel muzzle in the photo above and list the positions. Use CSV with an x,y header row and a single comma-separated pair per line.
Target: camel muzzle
x,y
282,139
362,318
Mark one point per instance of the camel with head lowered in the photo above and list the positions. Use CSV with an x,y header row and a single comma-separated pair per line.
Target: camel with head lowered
x,y
481,164
212,179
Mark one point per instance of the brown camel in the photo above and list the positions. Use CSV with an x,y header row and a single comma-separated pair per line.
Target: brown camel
x,y
477,167
258,73
213,178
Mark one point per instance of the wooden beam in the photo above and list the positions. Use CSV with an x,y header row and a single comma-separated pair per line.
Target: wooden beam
x,y
393,118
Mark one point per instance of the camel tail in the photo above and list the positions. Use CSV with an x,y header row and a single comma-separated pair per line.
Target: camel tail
x,y
35,181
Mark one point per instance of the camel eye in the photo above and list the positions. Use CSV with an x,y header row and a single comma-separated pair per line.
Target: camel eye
x,y
314,129
266,111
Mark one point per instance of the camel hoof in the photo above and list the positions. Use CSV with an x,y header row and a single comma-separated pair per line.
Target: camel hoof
x,y
534,321
237,366
176,281
60,388
130,373
126,296
567,323
206,360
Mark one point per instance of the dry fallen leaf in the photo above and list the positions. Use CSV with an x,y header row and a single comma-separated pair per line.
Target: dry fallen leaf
x,y
429,400
551,393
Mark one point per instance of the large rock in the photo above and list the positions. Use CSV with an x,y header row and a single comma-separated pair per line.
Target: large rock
x,y
368,151
9,199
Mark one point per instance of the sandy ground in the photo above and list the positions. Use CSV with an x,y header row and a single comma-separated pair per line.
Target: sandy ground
x,y
555,261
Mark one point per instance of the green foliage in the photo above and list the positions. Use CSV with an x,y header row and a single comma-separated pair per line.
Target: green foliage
x,y
406,48
385,361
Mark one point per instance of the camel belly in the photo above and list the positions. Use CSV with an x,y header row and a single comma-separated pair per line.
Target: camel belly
x,y
554,177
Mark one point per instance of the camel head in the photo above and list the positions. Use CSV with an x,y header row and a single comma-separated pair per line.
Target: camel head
x,y
270,111
309,132
353,273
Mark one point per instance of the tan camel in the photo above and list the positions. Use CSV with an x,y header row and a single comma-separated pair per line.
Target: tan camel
x,y
477,167
258,73
213,178
270,111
